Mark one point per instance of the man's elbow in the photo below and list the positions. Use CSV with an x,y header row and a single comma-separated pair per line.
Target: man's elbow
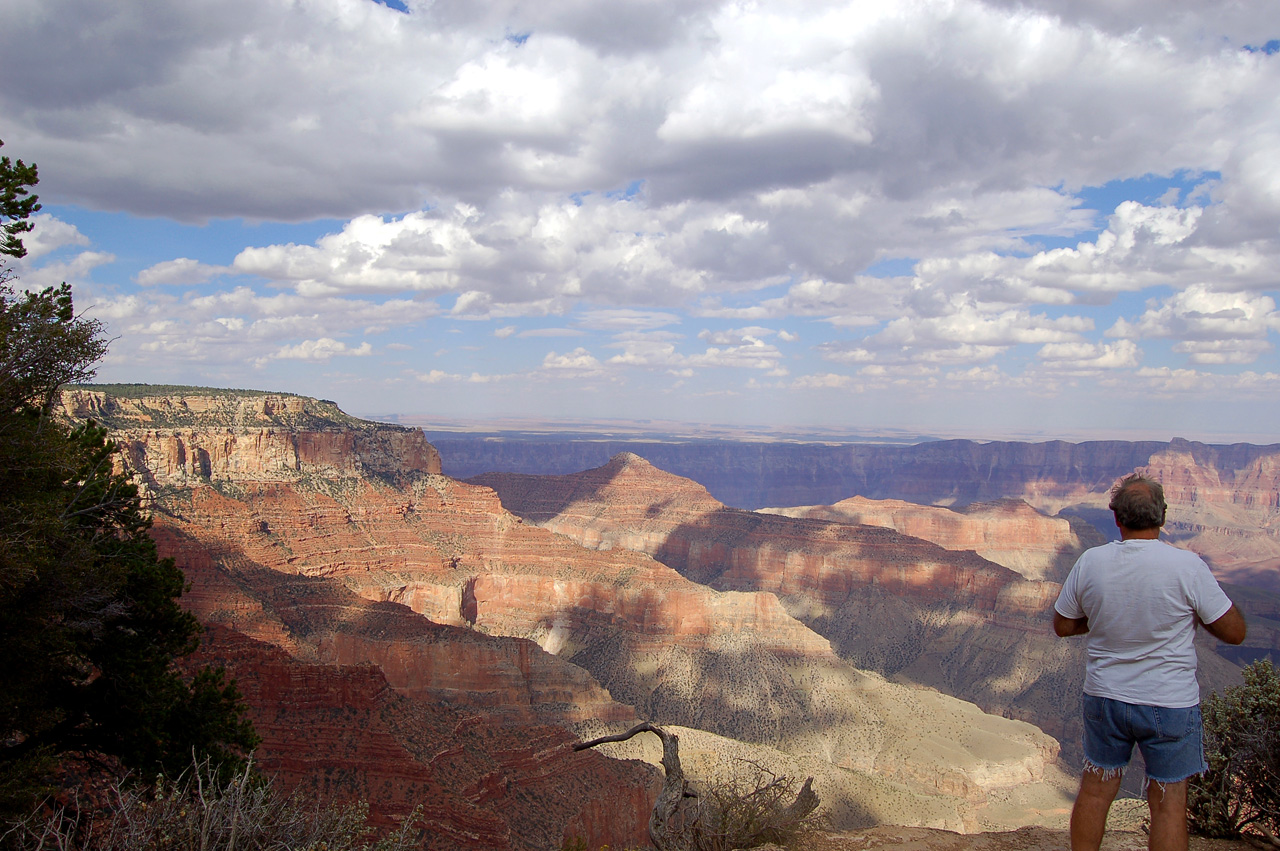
x,y
1230,628
1066,627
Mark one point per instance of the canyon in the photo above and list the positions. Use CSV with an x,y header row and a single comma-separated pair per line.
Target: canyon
x,y
1225,499
889,601
403,637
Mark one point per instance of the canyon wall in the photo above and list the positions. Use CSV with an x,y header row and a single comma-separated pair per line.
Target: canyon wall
x,y
755,475
1223,499
341,546
478,781
186,439
888,602
1008,532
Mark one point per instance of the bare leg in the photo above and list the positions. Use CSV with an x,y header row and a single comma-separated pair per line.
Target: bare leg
x,y
1093,802
1168,803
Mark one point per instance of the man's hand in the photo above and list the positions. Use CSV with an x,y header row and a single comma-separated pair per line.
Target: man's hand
x,y
1066,627
1230,628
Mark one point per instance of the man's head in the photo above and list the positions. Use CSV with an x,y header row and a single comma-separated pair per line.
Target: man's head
x,y
1138,503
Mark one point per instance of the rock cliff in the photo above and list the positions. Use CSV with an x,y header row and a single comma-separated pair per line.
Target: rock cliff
x,y
1224,503
1008,532
207,436
754,475
342,731
1223,498
341,546
888,602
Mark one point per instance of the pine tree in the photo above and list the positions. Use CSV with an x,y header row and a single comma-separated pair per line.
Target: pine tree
x,y
90,626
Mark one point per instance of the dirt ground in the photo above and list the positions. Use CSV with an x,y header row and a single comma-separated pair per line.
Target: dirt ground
x,y
1023,839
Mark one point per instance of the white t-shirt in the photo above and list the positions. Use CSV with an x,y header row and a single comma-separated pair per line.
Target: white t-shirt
x,y
1142,598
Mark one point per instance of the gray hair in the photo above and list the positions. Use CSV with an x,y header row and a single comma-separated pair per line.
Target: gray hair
x,y
1138,503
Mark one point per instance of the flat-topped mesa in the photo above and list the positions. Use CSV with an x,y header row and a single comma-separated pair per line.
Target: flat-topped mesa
x,y
188,436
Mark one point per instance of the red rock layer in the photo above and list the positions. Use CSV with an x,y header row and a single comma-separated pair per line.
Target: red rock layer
x,y
1224,503
318,619
328,559
181,440
887,601
341,732
1223,498
630,503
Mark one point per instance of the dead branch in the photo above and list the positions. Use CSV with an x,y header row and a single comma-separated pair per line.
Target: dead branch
x,y
672,830
674,787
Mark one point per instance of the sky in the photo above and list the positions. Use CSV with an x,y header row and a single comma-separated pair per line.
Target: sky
x,y
1041,219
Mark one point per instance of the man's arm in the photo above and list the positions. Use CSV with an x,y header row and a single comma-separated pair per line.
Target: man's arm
x,y
1229,628
1066,627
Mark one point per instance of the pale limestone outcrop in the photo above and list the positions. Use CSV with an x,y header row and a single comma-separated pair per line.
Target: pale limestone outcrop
x,y
182,439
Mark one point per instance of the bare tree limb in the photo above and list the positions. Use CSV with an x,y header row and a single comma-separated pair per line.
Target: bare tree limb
x,y
674,787
805,803
674,829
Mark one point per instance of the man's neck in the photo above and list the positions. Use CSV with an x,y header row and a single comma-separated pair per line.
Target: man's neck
x,y
1127,534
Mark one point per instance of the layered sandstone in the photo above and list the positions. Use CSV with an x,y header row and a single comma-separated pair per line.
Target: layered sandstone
x,y
182,440
1008,532
734,663
1223,498
1224,504
888,602
476,781
629,503
384,564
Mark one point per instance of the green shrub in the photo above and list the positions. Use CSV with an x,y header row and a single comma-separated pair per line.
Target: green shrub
x,y
1240,793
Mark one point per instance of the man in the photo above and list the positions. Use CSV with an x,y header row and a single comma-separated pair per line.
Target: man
x,y
1139,600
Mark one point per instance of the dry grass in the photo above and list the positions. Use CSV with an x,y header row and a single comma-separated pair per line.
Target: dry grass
x,y
751,809
196,813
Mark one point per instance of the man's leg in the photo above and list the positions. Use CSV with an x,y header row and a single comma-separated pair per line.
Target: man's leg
x,y
1098,789
1168,803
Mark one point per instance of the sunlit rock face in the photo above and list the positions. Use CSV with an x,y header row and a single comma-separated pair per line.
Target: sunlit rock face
x,y
361,698
386,565
1224,503
188,438
1223,499
887,601
1008,532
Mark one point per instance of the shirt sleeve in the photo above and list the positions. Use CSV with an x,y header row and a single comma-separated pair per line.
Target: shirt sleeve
x,y
1068,604
1207,596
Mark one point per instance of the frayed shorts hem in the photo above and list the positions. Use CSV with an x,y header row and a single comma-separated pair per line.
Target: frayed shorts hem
x,y
1162,781
1170,739
1111,773
1104,772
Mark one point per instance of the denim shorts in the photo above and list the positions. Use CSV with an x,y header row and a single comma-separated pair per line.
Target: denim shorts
x,y
1170,740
